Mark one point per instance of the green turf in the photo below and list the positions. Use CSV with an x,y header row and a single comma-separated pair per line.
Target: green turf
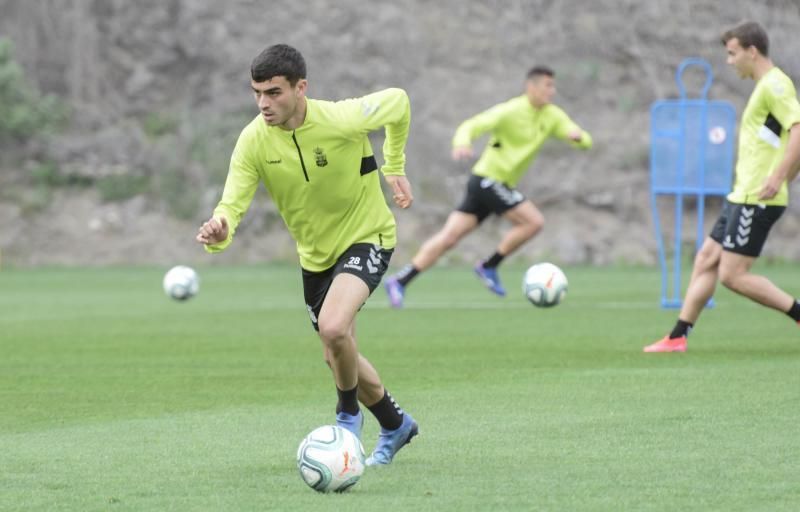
x,y
113,397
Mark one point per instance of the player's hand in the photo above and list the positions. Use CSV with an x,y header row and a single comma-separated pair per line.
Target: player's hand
x,y
214,231
401,190
461,153
575,135
771,187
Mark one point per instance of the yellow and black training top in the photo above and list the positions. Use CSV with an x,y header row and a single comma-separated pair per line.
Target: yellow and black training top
x,y
770,112
321,175
518,131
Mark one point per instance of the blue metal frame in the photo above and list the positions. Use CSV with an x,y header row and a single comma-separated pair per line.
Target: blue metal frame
x,y
700,186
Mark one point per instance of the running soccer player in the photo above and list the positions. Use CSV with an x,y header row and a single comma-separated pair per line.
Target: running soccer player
x,y
318,166
769,158
518,128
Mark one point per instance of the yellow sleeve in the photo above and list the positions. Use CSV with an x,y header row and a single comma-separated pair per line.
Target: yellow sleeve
x,y
477,125
389,108
240,187
782,102
565,125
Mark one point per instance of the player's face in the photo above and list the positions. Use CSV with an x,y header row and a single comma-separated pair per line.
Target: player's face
x,y
277,99
741,59
540,90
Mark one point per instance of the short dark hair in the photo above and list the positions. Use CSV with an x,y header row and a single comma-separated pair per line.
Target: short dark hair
x,y
749,33
278,60
537,71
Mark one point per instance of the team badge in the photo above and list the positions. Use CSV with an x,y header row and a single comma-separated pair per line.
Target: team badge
x,y
319,156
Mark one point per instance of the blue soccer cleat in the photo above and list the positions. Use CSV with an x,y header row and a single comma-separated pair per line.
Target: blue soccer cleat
x,y
390,441
350,422
395,291
490,279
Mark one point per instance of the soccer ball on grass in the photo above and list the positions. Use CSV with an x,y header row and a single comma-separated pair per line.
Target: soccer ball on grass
x,y
545,285
330,459
181,283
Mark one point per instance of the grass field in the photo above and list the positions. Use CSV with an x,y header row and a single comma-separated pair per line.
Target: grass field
x,y
113,397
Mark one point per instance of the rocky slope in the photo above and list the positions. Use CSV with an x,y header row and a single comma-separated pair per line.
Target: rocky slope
x,y
158,91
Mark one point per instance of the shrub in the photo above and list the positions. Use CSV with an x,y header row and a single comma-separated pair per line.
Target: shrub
x,y
24,112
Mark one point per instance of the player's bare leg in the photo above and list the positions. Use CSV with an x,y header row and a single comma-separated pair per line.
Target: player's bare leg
x,y
701,287
370,388
338,334
457,226
734,273
336,330
527,220
337,315
703,281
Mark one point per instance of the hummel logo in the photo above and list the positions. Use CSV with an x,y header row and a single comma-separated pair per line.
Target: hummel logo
x,y
727,242
311,313
374,261
745,220
367,108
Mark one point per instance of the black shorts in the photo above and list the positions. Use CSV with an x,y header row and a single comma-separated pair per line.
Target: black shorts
x,y
486,196
743,228
367,261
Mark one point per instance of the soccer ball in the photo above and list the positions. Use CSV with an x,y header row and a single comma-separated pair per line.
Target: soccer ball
x,y
545,285
181,283
330,459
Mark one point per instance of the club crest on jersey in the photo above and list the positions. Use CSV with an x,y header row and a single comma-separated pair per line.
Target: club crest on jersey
x,y
320,157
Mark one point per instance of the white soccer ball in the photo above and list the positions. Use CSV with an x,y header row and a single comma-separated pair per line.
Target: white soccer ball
x,y
181,283
545,285
330,459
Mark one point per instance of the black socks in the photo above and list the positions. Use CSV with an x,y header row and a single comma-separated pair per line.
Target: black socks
x,y
348,401
681,329
495,260
794,311
406,274
387,412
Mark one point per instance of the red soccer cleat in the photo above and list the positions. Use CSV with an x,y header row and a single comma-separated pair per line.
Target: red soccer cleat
x,y
667,344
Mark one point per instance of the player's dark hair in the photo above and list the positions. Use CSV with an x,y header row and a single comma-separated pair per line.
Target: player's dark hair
x,y
537,71
278,60
749,33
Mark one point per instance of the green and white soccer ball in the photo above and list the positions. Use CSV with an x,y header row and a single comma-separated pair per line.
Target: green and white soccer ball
x,y
181,283
330,459
545,285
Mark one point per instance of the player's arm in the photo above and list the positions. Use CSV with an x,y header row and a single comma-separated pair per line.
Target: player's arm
x,y
390,109
794,172
784,106
788,167
240,186
567,130
473,128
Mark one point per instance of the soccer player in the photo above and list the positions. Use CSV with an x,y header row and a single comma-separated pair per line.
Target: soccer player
x,y
769,154
518,128
318,166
